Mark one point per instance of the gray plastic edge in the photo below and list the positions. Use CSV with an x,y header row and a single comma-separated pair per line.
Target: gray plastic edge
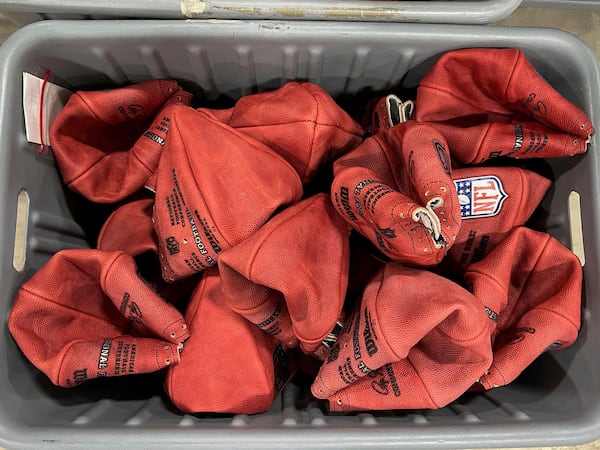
x,y
568,4
459,12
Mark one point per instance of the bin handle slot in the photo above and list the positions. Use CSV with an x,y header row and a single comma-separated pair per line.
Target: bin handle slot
x,y
576,226
21,225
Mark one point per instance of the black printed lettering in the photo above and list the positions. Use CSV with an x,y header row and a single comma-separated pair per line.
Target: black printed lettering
x,y
538,108
374,194
177,187
491,314
123,112
392,377
125,358
470,240
519,139
369,335
132,358
351,370
272,317
358,207
411,165
355,341
131,112
363,367
124,303
170,211
273,330
197,262
172,245
529,100
79,376
380,384
519,334
346,376
481,249
531,142
104,354
134,315
189,264
154,137
337,204
177,201
345,199
334,353
540,142
442,155
464,258
380,241
212,239
134,110
196,233
341,374
387,232
118,358
359,187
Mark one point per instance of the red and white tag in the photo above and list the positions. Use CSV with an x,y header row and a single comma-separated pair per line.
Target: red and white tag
x,y
42,101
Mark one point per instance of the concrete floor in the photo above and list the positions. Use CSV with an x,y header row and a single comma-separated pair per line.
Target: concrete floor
x,y
583,23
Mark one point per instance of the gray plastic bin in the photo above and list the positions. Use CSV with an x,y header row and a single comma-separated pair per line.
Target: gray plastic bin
x,y
555,402
569,4
434,11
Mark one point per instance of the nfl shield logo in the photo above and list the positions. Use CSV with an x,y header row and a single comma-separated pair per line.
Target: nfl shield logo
x,y
480,196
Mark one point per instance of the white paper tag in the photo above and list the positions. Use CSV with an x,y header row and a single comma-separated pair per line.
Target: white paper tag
x,y
54,100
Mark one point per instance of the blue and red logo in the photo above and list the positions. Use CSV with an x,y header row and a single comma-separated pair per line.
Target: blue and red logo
x,y
480,196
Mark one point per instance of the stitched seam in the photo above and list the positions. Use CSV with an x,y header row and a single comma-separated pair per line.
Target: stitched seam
x,y
512,73
198,294
276,228
104,155
314,136
170,325
480,144
297,121
382,334
541,308
473,338
520,57
421,380
522,199
65,352
132,153
126,123
105,273
49,300
389,164
539,254
468,102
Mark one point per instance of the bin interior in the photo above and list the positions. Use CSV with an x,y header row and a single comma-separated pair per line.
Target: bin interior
x,y
555,402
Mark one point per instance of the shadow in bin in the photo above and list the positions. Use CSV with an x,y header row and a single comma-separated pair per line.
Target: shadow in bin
x,y
88,215
29,383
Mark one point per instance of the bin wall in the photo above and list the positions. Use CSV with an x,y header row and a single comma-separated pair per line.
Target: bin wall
x,y
556,402
435,11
